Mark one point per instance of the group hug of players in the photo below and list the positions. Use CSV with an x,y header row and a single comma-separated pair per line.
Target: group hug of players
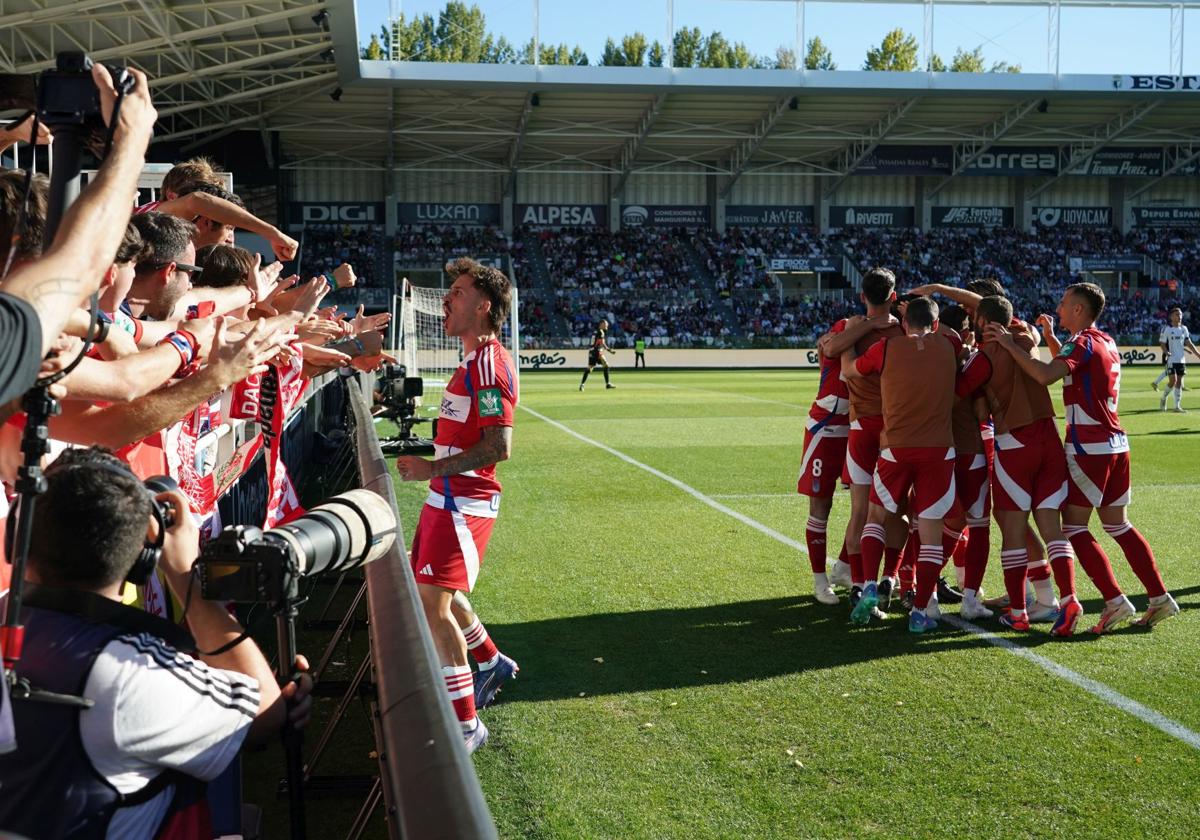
x,y
932,418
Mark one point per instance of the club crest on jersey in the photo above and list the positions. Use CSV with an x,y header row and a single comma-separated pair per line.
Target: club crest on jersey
x,y
489,403
1067,349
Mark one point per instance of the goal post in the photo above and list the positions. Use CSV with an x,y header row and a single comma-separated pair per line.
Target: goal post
x,y
423,347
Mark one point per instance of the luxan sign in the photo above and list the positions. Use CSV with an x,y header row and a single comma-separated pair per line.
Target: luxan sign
x,y
1073,216
438,213
338,213
561,215
1162,82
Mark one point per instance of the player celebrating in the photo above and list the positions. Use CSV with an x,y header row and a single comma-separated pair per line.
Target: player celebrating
x,y
866,408
1174,339
474,433
1097,452
916,374
1029,471
596,354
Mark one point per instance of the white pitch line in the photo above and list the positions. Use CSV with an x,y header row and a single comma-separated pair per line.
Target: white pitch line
x,y
1094,687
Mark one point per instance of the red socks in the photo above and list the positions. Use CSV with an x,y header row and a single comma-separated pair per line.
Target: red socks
x,y
950,539
978,545
814,536
1062,561
891,561
929,567
1093,560
481,645
1140,557
461,685
872,551
1014,562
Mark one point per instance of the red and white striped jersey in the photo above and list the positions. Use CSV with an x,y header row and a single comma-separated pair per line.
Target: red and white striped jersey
x,y
482,393
831,409
1090,392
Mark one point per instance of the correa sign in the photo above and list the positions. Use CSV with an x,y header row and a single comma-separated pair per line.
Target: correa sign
x,y
816,265
664,215
1122,262
1073,216
908,160
857,216
560,215
1167,216
1165,82
437,213
754,215
1131,161
972,216
337,212
1015,160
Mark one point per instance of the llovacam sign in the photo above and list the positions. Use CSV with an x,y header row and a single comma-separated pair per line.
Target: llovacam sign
x,y
805,357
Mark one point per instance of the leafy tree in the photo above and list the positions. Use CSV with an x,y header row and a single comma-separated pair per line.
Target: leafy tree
x,y
936,65
1005,67
741,57
897,51
818,56
658,55
968,62
785,59
631,52
374,51
687,45
552,54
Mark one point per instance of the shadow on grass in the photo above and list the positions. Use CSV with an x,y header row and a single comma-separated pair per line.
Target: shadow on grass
x,y
726,643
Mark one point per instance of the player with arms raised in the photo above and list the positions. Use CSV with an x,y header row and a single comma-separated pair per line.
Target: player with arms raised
x,y
1097,453
474,433
596,354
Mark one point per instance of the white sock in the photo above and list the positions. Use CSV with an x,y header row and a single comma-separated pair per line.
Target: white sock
x,y
1115,602
1166,372
489,664
969,594
1178,397
1044,590
1160,599
820,580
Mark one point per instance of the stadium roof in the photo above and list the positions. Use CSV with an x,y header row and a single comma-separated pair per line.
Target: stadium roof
x,y
229,65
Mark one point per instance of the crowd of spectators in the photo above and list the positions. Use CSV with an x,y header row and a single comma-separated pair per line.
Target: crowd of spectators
x,y
433,246
324,247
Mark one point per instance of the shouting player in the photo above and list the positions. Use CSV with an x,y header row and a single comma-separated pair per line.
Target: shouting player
x,y
1174,339
1097,452
474,433
866,410
916,373
596,354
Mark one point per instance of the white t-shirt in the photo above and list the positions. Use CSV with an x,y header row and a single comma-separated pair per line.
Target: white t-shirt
x,y
1174,338
158,709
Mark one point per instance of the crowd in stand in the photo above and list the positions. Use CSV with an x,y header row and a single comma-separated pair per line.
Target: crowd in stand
x,y
435,245
324,247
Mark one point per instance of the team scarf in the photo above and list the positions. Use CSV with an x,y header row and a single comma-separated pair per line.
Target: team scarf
x,y
279,392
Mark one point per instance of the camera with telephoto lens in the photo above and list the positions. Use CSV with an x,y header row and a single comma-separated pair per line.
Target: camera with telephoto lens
x,y
397,394
249,565
67,95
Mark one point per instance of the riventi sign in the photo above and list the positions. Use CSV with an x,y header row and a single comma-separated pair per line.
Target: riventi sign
x,y
858,216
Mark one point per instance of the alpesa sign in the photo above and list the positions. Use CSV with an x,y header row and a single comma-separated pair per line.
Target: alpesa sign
x,y
560,215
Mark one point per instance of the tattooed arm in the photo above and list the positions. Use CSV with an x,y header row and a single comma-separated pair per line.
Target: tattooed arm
x,y
495,446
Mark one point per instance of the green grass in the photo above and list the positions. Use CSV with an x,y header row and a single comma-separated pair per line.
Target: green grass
x,y
707,631
628,602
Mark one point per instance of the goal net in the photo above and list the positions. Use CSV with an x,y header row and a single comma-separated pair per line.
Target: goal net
x,y
423,347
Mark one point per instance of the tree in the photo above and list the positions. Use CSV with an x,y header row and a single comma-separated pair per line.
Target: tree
x,y
898,51
967,62
818,56
658,55
687,45
1005,67
374,51
741,57
551,54
578,57
612,55
936,65
785,59
635,47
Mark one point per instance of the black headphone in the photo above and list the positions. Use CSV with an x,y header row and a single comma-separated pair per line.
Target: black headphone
x,y
151,551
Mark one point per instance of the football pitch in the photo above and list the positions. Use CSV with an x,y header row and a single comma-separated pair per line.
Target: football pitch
x,y
678,679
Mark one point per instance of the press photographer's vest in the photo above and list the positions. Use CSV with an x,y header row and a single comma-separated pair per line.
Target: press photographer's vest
x,y
48,785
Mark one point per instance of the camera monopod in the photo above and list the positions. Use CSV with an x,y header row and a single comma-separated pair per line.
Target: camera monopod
x,y
68,105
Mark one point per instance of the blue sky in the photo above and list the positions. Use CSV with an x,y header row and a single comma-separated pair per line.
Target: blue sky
x,y
1092,40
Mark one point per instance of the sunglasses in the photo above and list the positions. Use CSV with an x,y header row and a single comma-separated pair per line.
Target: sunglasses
x,y
179,266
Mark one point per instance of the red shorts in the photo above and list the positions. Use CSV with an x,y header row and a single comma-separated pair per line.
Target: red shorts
x,y
1030,472
449,545
927,471
862,450
822,462
971,485
1098,480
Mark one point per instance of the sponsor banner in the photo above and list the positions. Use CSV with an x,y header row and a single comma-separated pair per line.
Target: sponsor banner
x,y
816,265
560,215
1128,161
908,160
1164,82
435,213
1015,160
753,215
1073,216
972,216
336,213
1167,216
857,216
804,357
1121,262
664,215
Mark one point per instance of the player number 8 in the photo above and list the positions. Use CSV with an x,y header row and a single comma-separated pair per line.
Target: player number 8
x,y
816,468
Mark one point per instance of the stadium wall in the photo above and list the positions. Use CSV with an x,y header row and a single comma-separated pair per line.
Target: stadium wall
x,y
877,191
574,359
782,187
559,188
685,185
337,184
1076,192
447,185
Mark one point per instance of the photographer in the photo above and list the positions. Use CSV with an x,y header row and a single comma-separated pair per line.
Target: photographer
x,y
163,722
38,298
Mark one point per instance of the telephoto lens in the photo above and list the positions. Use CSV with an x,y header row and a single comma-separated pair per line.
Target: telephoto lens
x,y
348,531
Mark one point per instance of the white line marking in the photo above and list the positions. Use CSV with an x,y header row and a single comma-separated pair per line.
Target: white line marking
x,y
1094,687
754,495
